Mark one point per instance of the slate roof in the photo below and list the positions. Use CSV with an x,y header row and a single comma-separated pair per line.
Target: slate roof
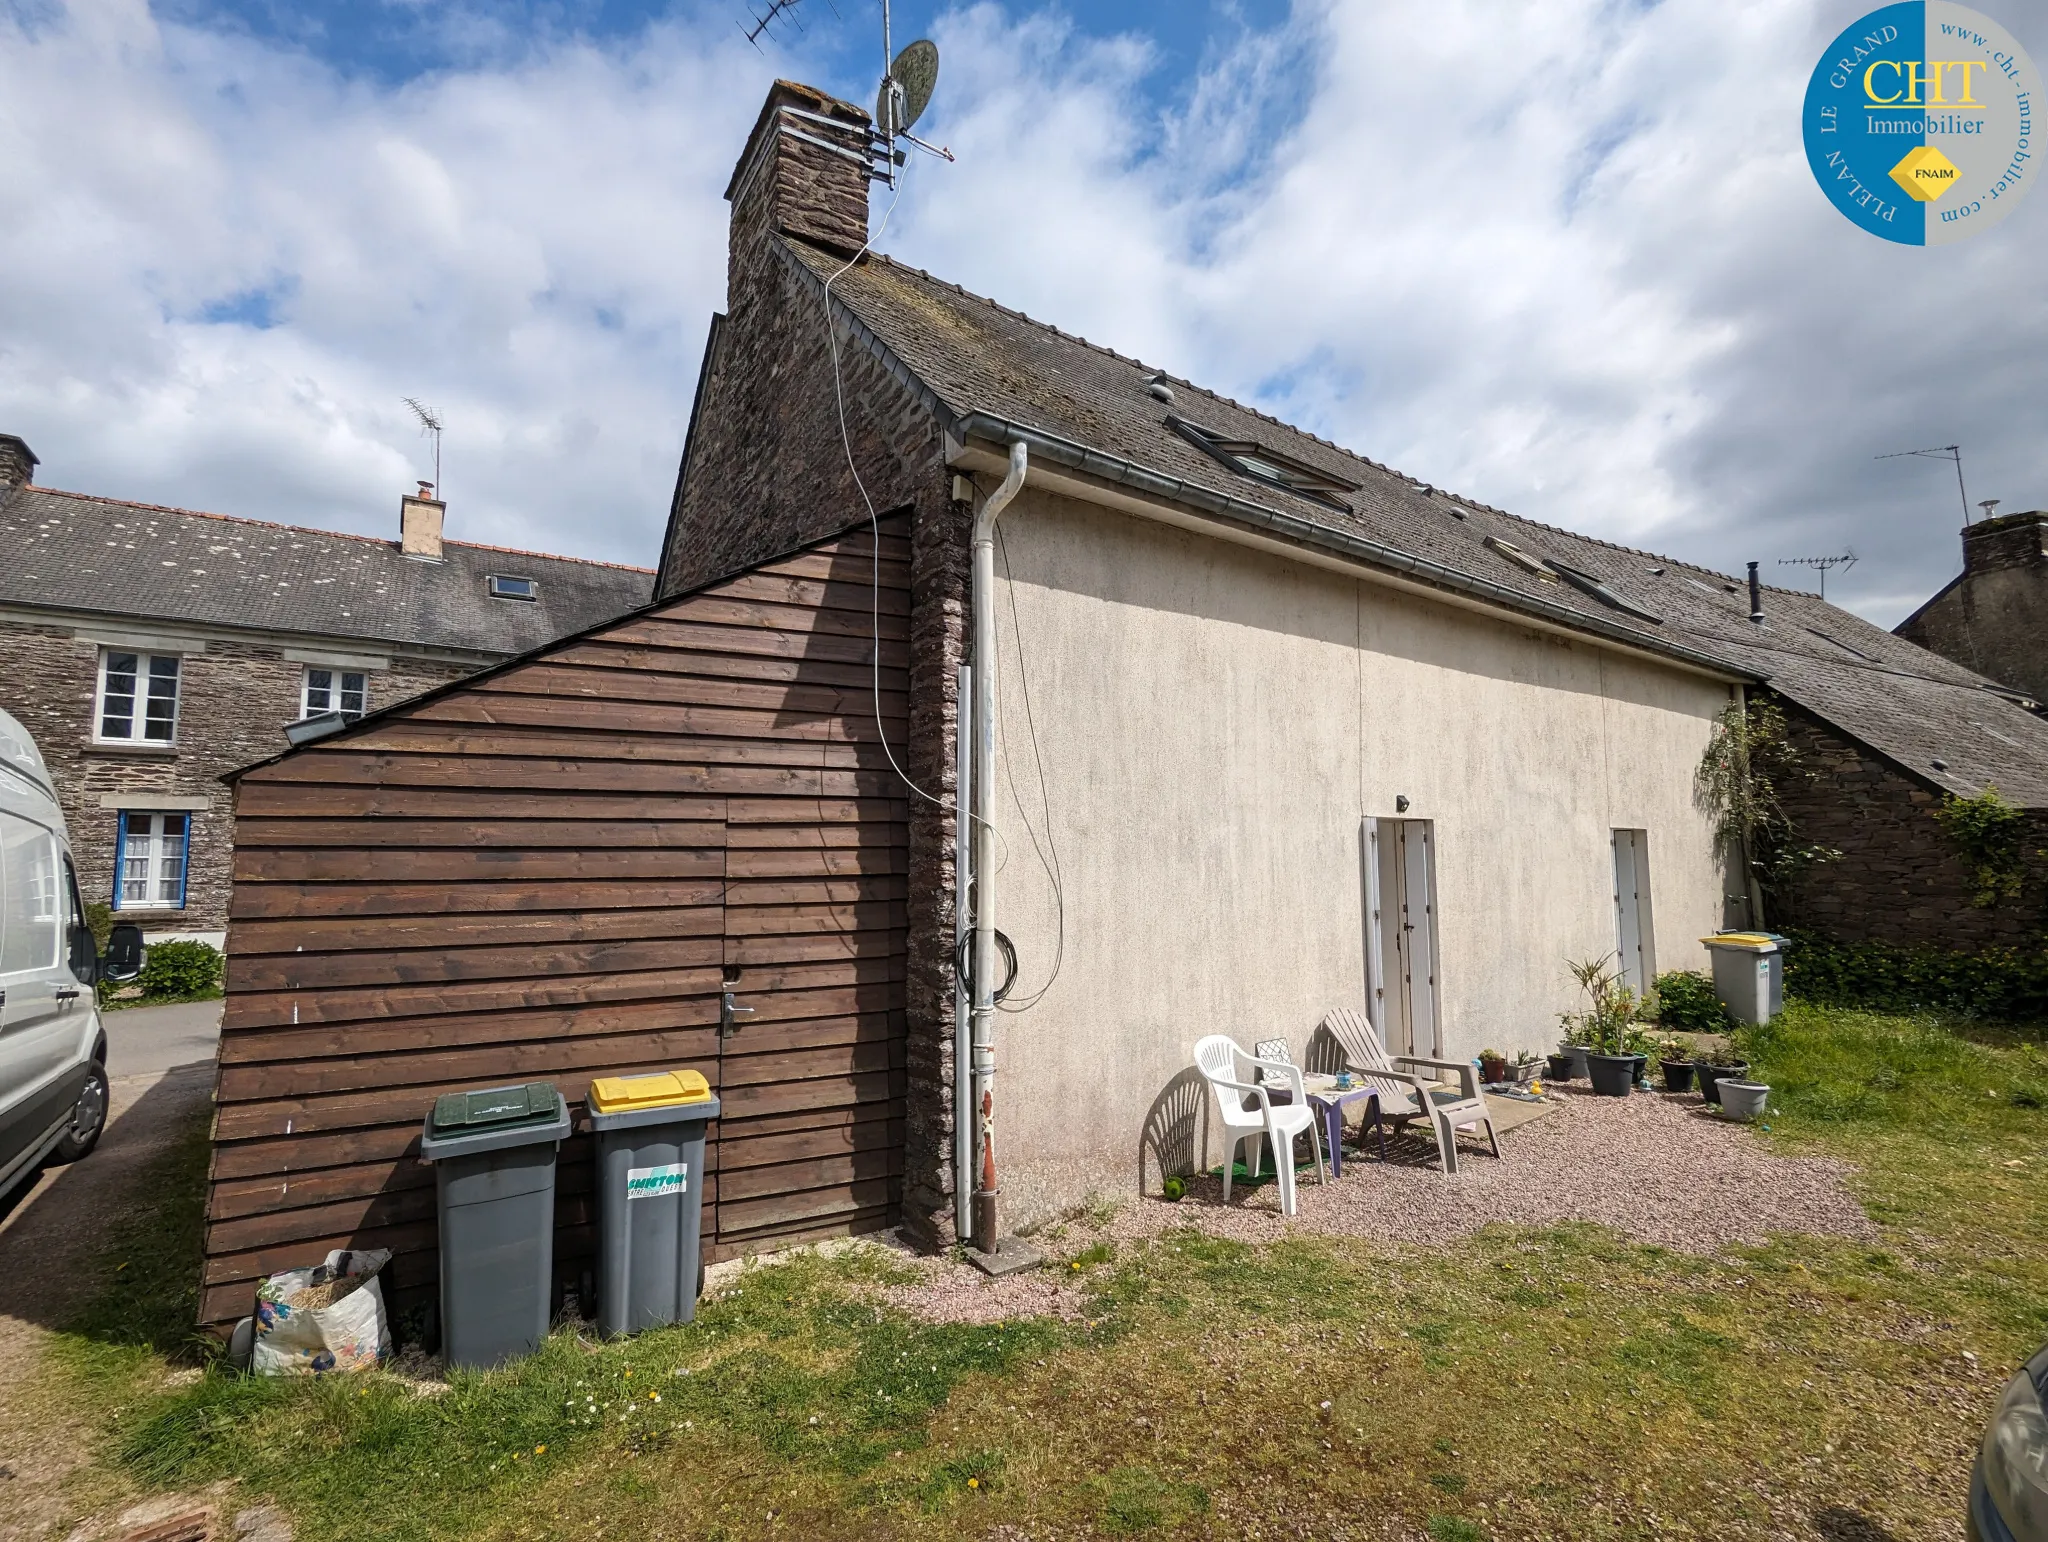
x,y
972,355
99,556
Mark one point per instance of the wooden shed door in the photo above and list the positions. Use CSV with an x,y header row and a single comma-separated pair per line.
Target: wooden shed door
x,y
811,1064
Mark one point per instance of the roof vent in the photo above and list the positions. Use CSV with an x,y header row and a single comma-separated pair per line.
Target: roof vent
x,y
1756,597
1158,389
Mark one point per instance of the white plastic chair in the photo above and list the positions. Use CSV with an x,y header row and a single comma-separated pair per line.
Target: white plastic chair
x,y
1248,1113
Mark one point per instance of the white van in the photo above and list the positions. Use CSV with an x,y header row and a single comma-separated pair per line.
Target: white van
x,y
53,1052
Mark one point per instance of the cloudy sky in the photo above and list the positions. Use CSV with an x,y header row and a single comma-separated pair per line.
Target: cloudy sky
x,y
1564,258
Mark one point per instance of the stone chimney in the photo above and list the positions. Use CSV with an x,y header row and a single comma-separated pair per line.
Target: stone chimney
x,y
17,462
801,177
2010,541
1992,618
419,524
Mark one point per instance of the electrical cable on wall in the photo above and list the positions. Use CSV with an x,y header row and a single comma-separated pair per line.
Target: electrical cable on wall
x,y
1052,869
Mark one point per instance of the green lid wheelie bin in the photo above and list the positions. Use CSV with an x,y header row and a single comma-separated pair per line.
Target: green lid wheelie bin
x,y
650,1184
493,1153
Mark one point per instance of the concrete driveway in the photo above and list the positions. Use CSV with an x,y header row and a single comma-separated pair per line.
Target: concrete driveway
x,y
148,1041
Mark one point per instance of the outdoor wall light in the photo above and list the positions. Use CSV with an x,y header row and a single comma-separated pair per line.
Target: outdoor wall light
x,y
1401,803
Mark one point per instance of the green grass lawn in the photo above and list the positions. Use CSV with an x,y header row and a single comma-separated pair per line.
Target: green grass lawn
x,y
1519,1384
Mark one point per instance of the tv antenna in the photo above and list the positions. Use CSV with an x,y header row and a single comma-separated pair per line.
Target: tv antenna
x,y
430,423
908,80
1824,564
1952,452
763,20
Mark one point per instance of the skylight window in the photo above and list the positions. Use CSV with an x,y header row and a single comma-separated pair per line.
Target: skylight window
x,y
1248,458
1586,583
1837,642
505,588
1521,559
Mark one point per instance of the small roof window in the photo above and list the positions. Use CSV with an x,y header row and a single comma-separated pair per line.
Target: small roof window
x,y
1249,458
503,587
1520,558
1587,583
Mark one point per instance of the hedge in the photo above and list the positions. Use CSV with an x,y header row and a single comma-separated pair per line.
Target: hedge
x,y
2001,984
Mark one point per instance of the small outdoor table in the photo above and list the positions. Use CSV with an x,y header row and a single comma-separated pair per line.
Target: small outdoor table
x,y
1327,1100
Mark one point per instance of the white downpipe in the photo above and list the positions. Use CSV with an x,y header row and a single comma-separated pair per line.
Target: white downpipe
x,y
963,910
982,847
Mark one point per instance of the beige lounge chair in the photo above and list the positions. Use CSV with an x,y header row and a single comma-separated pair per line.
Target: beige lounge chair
x,y
1405,1096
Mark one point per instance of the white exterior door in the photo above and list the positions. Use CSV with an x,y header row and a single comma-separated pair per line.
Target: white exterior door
x,y
1401,934
1635,941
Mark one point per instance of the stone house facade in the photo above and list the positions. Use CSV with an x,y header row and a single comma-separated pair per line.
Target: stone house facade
x,y
1272,678
153,650
1993,616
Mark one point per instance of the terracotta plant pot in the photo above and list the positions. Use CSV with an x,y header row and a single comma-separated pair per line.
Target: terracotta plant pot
x,y
1493,1070
1614,1076
1677,1075
1743,1100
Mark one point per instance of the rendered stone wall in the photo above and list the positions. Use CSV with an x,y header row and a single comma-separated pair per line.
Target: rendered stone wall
x,y
1900,879
234,702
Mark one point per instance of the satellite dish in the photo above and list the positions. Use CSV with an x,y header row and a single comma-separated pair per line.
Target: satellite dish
x,y
910,81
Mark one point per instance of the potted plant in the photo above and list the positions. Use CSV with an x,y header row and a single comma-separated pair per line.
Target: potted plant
x,y
1564,1066
1711,1069
1523,1071
1675,1061
1605,1027
1740,1098
1493,1066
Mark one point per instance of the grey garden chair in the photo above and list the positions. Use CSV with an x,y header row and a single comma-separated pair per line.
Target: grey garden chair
x,y
1405,1096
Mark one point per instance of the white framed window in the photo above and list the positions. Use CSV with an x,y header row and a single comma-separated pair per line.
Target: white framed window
x,y
138,698
150,858
505,587
334,690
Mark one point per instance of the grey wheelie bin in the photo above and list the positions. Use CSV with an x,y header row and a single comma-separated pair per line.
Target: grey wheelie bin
x,y
1749,973
650,1184
494,1174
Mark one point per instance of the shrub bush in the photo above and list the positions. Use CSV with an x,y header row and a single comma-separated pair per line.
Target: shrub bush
x,y
2000,984
1686,1003
181,971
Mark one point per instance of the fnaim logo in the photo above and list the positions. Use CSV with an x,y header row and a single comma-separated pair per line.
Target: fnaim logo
x,y
1919,122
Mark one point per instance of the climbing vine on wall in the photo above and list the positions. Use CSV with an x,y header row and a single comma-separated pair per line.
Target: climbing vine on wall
x,y
1749,765
1990,835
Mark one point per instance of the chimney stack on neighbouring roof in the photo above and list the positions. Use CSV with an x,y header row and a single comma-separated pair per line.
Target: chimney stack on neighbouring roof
x,y
419,524
17,462
803,173
2010,541
1756,598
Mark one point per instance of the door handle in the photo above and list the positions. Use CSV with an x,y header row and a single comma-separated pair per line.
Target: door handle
x,y
728,1010
67,995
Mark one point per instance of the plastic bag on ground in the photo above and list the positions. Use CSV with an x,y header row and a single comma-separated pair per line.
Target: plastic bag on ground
x,y
327,1318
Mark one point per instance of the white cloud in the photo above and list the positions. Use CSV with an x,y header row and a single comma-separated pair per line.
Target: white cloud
x,y
1566,258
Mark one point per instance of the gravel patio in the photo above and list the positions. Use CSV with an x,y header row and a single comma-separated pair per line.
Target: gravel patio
x,y
1657,1167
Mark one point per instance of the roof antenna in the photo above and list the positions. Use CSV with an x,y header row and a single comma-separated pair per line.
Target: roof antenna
x,y
1824,564
777,9
1952,452
430,423
908,81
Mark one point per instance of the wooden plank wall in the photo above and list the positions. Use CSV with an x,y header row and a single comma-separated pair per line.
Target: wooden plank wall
x,y
548,873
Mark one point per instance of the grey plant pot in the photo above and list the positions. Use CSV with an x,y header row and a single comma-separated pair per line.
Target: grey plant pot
x,y
1744,1100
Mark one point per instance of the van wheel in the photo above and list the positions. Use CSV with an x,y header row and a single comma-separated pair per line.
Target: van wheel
x,y
88,1117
